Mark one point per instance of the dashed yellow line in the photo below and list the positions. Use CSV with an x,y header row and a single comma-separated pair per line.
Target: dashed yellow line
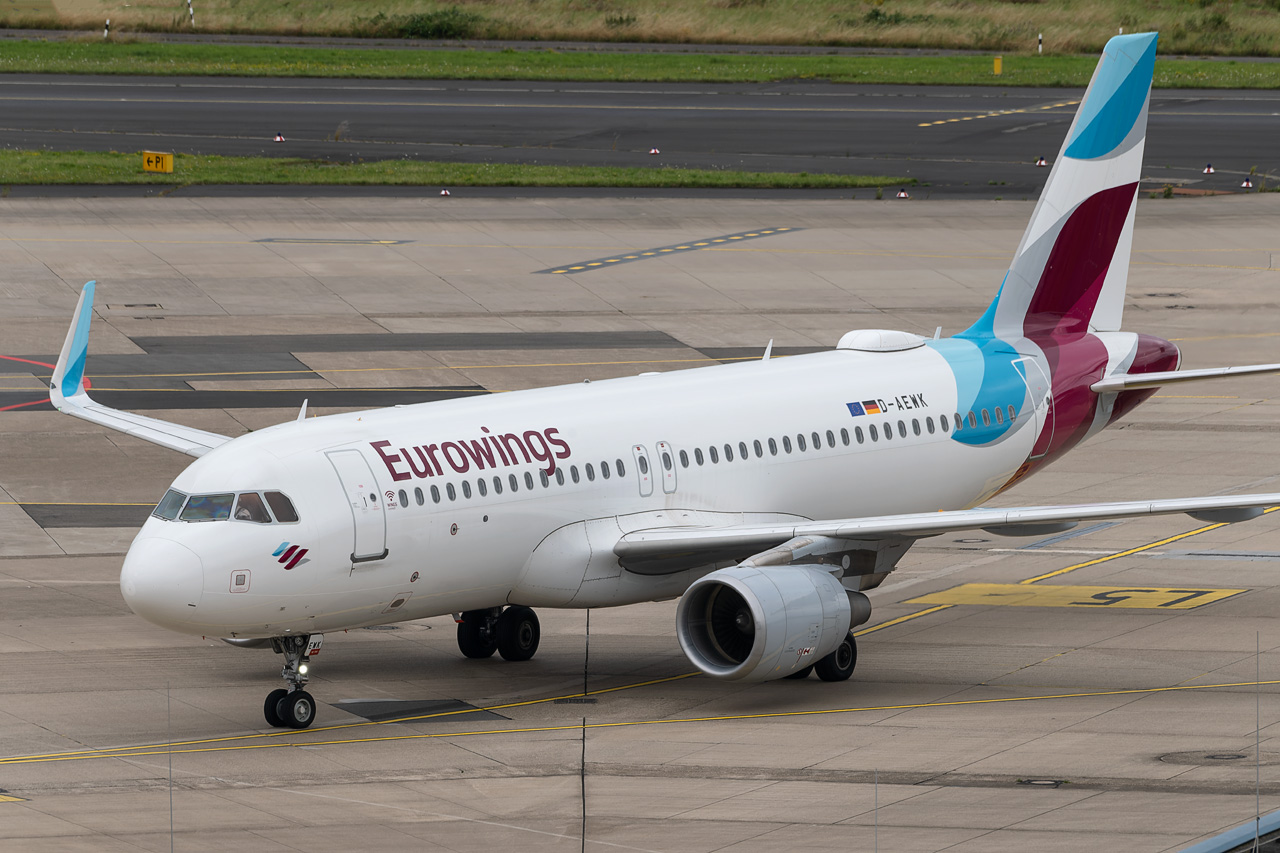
x,y
999,113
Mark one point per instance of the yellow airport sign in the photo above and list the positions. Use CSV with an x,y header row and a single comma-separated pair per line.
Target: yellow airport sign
x,y
1116,597
157,161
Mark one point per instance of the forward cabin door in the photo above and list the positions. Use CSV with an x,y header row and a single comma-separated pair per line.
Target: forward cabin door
x,y
367,513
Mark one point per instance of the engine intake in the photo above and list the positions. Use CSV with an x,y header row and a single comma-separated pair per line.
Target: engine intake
x,y
753,624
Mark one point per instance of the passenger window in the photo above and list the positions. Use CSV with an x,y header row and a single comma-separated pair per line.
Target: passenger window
x,y
449,490
169,505
999,415
959,422
697,455
684,459
1012,416
986,418
915,426
513,482
728,453
622,472
786,443
418,496
591,473
281,508
758,448
773,447
466,488
844,436
435,495
902,428
973,420
666,461
528,480
857,434
831,439
560,476
208,508
742,451
800,445
888,431
817,441
249,507
497,485
484,490
546,481
644,465
604,470
711,451
942,422
573,472
928,424
871,428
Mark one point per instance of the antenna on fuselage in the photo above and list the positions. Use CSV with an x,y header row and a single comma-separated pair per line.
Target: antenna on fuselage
x,y
937,333
767,350
302,413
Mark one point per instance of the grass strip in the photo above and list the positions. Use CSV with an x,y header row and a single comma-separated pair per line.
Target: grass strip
x,y
149,58
93,167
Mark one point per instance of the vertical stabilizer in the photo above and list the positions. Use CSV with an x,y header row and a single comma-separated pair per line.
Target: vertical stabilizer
x,y
1069,273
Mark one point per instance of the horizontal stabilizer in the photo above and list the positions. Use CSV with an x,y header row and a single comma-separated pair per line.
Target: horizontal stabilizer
x,y
657,543
1137,381
67,393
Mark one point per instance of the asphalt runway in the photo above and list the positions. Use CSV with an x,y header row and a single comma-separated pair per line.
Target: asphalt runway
x,y
957,141
977,720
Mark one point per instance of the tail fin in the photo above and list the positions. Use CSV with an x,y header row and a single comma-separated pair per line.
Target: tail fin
x,y
1069,273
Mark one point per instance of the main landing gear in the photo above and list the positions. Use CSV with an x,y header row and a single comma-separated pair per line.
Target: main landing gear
x,y
293,708
512,632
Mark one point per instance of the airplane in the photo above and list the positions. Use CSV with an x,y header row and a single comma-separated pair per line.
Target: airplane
x,y
769,496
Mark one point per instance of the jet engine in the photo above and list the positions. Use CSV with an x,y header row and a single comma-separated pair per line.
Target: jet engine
x,y
757,624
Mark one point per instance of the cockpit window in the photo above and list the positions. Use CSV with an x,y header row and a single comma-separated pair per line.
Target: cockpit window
x,y
208,508
169,505
250,507
282,507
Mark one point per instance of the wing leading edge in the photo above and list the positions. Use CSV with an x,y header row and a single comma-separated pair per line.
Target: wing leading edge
x,y
655,544
67,393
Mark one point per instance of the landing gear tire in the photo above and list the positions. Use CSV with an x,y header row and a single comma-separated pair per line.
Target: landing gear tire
x,y
839,665
800,673
477,637
297,709
518,633
269,708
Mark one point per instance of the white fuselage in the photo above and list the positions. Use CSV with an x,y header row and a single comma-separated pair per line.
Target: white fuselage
x,y
356,478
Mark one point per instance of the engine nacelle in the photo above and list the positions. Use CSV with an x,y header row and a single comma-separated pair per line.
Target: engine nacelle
x,y
758,624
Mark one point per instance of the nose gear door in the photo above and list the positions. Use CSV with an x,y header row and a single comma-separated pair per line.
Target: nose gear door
x,y
368,516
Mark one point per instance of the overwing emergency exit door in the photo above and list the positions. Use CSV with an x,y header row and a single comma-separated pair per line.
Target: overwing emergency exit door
x,y
367,514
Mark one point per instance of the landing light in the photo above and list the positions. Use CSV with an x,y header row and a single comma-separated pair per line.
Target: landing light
x,y
302,669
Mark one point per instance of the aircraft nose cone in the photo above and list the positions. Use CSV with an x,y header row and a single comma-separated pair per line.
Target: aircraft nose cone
x,y
162,582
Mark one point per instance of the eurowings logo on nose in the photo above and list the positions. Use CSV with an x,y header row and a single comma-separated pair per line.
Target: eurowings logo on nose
x,y
290,555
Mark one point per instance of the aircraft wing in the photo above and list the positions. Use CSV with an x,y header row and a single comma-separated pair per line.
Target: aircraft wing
x,y
1135,381
678,543
66,392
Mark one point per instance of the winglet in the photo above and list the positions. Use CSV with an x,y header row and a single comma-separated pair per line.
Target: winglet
x,y
66,392
68,375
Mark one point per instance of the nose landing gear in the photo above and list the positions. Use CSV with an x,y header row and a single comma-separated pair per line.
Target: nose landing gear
x,y
293,708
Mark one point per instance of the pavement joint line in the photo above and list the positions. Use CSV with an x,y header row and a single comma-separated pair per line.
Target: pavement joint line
x,y
631,255
163,749
129,751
